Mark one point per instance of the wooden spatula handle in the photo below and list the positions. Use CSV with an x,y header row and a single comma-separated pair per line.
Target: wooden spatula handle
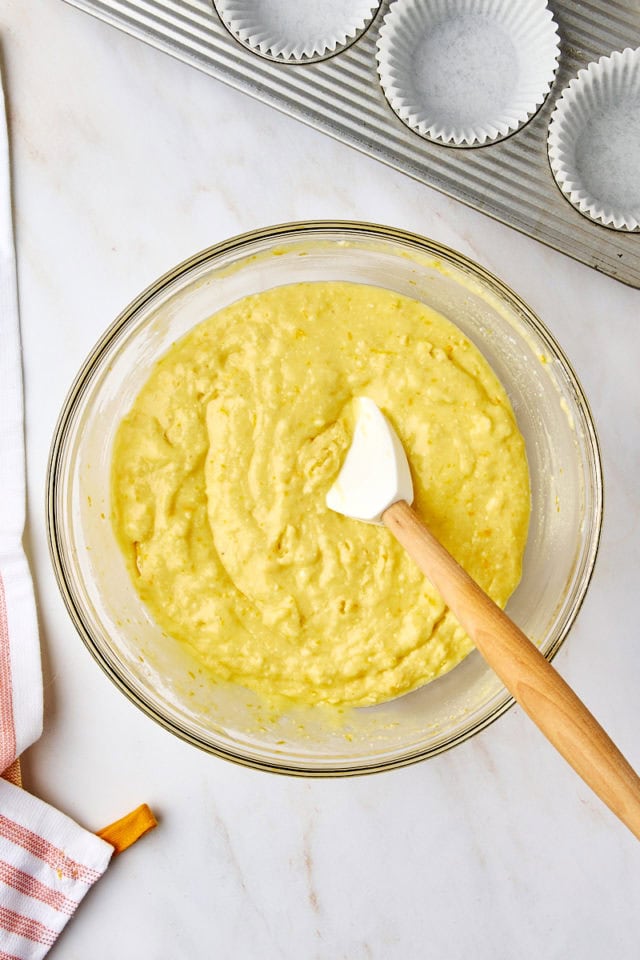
x,y
531,679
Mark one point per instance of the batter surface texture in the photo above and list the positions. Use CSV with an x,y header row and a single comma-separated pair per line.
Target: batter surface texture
x,y
221,469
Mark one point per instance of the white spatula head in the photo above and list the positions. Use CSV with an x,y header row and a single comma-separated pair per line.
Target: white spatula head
x,y
375,472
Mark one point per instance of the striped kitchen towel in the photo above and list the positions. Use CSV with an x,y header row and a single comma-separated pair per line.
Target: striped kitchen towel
x,y
47,862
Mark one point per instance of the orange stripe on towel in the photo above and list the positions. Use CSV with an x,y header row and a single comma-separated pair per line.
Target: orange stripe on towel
x,y
13,773
7,722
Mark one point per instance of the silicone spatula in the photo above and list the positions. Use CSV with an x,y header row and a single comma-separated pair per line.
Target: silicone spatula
x,y
375,485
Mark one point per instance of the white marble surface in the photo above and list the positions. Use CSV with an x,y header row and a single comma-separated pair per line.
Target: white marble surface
x,y
125,162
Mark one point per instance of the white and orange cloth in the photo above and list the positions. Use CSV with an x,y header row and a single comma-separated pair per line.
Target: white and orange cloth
x,y
47,862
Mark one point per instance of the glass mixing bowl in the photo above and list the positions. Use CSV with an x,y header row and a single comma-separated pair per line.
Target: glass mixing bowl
x,y
157,673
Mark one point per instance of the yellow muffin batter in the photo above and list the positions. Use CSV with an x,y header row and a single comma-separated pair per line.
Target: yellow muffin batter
x,y
221,469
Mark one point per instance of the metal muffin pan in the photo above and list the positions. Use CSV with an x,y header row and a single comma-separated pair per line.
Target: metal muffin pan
x,y
510,180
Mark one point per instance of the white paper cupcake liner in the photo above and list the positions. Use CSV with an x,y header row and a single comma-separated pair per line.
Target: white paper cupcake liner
x,y
467,72
296,30
594,141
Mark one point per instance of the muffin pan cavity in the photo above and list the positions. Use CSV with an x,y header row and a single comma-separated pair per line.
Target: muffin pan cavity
x,y
467,72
